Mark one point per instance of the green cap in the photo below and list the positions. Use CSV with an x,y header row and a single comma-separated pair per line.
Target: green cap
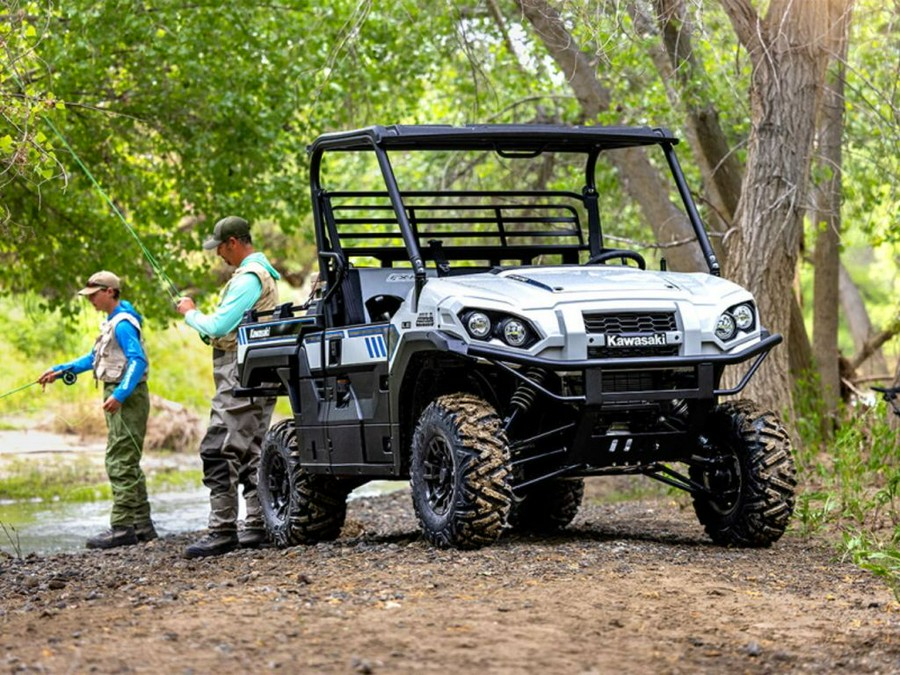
x,y
230,226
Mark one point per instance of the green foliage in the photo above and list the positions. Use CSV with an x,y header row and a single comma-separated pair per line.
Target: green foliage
x,y
851,483
81,480
180,364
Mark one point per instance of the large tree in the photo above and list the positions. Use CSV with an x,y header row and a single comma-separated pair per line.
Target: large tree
x,y
183,113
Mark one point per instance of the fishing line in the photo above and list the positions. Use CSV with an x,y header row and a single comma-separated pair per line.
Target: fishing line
x,y
161,274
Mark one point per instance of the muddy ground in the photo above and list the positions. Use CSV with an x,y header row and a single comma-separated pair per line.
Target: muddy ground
x,y
631,587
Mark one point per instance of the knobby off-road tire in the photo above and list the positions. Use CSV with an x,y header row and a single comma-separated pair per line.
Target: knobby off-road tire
x,y
754,488
549,506
297,507
460,472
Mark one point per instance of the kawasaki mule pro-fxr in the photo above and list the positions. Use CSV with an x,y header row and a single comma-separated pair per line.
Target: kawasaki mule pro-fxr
x,y
484,341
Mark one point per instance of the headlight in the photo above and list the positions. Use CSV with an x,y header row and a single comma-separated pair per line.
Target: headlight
x,y
507,328
743,316
725,327
478,324
514,331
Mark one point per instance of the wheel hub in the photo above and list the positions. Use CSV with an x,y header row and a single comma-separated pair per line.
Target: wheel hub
x,y
438,475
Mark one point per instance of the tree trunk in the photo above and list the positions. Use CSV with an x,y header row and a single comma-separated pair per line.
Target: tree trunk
x,y
854,309
721,170
828,224
788,54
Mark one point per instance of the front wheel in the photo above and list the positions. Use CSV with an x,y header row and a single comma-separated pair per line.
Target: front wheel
x,y
297,507
460,472
749,482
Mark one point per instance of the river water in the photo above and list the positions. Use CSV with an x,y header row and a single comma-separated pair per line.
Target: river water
x,y
46,527
55,527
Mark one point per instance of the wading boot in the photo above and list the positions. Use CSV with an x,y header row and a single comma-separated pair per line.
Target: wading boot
x,y
113,537
214,543
252,537
145,531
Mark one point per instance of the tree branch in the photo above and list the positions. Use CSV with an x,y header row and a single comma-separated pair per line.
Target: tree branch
x,y
874,343
746,22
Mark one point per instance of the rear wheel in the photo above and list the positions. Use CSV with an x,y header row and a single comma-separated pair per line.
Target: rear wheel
x,y
548,507
460,472
297,507
750,480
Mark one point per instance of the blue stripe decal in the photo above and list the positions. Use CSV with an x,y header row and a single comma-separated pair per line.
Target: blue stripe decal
x,y
375,346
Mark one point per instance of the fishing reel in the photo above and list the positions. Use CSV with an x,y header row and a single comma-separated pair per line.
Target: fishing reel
x,y
68,377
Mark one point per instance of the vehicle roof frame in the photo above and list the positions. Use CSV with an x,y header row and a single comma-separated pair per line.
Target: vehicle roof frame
x,y
507,140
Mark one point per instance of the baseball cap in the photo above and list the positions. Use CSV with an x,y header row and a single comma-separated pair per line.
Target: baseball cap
x,y
100,280
230,226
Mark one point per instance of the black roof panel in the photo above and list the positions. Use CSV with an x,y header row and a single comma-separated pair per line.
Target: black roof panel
x,y
502,137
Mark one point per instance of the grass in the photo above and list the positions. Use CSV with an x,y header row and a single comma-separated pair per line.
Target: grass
x,y
79,479
850,484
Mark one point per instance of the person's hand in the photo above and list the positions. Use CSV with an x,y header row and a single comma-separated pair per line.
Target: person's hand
x,y
185,305
47,377
111,405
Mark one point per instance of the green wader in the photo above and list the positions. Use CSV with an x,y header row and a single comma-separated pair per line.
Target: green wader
x,y
124,447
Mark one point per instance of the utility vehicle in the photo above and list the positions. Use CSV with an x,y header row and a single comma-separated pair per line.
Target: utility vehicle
x,y
487,342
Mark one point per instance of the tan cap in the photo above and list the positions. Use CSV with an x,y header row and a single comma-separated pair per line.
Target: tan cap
x,y
98,281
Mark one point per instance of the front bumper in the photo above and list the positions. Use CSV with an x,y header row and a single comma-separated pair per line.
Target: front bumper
x,y
702,384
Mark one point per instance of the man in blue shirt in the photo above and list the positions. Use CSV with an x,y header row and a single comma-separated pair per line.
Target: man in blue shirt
x,y
233,441
119,361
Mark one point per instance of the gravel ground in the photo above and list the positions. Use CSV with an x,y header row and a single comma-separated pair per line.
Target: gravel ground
x,y
630,587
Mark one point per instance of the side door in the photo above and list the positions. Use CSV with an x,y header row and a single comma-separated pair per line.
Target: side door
x,y
356,399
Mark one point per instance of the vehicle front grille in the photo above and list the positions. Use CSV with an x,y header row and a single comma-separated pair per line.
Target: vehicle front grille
x,y
630,322
631,352
647,380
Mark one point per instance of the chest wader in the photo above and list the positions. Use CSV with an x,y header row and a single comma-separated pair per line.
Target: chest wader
x,y
231,447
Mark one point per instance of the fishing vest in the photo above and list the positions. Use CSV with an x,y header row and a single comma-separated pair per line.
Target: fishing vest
x,y
268,298
109,359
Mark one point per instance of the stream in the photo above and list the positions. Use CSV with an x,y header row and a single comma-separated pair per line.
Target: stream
x,y
57,527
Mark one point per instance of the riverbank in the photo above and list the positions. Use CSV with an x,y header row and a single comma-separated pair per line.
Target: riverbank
x,y
632,587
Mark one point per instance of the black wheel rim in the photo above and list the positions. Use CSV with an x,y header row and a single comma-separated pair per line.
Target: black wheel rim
x,y
279,486
725,484
437,474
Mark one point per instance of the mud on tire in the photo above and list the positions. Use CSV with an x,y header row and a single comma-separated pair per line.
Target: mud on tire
x,y
297,507
460,472
548,507
752,482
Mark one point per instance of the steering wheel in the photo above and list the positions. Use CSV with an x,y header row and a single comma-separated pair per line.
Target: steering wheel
x,y
621,253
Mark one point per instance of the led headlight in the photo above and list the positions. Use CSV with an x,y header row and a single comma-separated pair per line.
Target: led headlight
x,y
725,327
487,325
514,331
478,324
743,316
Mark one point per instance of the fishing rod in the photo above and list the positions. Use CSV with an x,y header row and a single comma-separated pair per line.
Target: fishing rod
x,y
174,294
68,377
168,284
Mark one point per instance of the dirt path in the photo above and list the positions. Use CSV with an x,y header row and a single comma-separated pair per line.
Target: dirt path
x,y
633,587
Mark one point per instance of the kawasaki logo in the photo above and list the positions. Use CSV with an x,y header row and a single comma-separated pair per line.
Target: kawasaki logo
x,y
636,340
260,332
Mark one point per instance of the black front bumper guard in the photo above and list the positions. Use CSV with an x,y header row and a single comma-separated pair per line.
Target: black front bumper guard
x,y
705,365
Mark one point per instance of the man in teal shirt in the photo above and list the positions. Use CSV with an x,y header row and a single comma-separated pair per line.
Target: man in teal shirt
x,y
231,447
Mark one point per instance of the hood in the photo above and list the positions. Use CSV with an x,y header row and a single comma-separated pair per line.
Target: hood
x,y
128,308
543,286
258,257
